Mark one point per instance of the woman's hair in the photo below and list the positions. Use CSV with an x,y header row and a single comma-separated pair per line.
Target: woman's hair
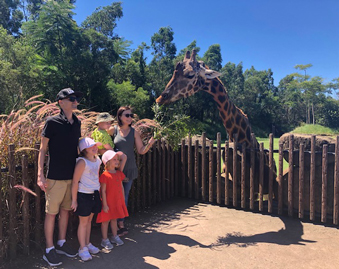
x,y
121,110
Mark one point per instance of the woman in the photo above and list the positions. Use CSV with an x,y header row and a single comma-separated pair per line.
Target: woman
x,y
125,139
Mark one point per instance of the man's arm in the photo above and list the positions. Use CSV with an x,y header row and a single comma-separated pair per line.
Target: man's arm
x,y
41,161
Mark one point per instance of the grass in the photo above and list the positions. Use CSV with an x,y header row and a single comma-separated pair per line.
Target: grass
x,y
315,129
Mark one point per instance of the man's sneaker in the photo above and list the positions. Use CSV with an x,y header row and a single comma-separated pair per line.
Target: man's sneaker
x,y
84,254
52,258
116,240
92,249
105,243
66,250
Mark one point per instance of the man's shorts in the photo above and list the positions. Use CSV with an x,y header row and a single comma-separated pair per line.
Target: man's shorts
x,y
88,203
58,195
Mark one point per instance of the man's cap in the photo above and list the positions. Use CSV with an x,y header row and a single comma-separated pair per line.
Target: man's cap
x,y
103,117
64,93
109,155
86,143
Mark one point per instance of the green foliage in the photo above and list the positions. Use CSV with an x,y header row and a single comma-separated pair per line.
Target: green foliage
x,y
315,129
103,19
212,57
124,94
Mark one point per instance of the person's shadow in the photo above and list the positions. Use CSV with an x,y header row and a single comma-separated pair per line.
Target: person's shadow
x,y
290,235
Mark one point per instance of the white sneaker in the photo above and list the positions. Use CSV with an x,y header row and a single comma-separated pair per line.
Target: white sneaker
x,y
84,254
116,240
105,243
92,249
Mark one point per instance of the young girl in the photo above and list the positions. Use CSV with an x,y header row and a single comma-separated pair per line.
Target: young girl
x,y
85,194
113,201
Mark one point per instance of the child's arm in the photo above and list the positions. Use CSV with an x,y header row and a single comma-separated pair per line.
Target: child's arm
x,y
105,207
79,169
111,130
123,160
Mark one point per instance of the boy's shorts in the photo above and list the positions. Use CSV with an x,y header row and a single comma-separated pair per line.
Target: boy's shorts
x,y
88,203
58,195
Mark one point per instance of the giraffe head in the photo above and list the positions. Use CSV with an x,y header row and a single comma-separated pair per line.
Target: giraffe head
x,y
188,78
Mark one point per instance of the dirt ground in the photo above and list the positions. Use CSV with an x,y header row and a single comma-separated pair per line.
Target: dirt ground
x,y
184,234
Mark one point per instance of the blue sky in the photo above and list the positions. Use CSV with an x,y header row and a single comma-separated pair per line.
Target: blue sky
x,y
261,33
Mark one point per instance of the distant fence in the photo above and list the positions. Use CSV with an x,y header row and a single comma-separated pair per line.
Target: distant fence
x,y
194,172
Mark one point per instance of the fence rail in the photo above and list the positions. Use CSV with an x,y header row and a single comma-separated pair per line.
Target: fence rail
x,y
195,171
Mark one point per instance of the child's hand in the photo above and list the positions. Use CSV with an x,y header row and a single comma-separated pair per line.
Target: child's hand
x,y
74,205
105,208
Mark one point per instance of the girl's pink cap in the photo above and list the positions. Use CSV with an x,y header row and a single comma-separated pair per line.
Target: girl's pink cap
x,y
109,155
87,142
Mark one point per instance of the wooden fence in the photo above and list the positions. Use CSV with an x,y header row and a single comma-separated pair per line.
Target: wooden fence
x,y
195,171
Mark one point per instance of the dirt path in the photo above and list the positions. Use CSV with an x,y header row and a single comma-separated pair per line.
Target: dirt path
x,y
185,234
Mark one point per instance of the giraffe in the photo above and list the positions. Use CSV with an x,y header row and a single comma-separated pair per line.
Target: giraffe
x,y
191,76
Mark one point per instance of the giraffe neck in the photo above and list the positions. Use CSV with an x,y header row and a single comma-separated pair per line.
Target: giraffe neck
x,y
234,119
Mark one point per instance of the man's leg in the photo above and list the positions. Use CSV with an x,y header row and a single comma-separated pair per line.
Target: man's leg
x,y
63,223
49,229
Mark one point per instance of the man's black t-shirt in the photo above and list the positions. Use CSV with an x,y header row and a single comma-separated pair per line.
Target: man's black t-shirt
x,y
62,145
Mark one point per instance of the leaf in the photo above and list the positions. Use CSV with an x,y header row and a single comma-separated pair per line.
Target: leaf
x,y
21,187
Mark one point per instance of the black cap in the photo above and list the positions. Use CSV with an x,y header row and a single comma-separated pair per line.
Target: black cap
x,y
64,93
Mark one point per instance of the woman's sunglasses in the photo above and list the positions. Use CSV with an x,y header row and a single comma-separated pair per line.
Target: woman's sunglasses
x,y
129,115
74,98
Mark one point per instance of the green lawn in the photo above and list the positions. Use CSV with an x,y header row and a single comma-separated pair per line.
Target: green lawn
x,y
266,142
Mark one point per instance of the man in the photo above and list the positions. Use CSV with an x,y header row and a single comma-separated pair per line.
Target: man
x,y
60,135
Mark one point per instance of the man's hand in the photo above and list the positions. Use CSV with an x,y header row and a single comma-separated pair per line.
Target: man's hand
x,y
42,183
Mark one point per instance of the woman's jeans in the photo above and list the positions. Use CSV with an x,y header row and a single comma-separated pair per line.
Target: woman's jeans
x,y
127,188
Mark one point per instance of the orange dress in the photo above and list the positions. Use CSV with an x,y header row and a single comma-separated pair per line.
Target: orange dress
x,y
114,196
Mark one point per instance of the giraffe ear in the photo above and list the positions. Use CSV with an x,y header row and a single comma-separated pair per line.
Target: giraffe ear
x,y
210,74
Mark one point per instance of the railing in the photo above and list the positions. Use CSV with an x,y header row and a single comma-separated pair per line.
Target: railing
x,y
195,171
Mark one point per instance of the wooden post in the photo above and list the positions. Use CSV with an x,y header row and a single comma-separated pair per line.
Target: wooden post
x,y
172,172
210,174
149,177
235,171
280,182
336,184
243,176
144,180
218,168
37,189
270,178
159,164
177,172
301,180
324,185
226,165
155,176
189,164
203,167
290,176
252,171
25,206
261,177
183,168
196,170
138,185
12,202
312,179
164,166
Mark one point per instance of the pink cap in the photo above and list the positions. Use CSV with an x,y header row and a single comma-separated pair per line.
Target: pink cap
x,y
87,142
109,155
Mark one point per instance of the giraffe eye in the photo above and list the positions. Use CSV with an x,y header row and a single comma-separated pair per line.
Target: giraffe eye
x,y
165,96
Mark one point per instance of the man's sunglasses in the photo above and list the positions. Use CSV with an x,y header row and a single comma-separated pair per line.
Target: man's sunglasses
x,y
129,115
74,98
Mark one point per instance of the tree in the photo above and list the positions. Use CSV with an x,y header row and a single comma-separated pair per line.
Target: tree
x,y
212,57
103,20
11,16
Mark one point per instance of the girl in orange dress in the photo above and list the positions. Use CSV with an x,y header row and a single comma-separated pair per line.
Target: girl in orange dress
x,y
113,198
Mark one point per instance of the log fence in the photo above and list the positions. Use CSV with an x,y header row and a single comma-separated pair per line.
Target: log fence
x,y
195,172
